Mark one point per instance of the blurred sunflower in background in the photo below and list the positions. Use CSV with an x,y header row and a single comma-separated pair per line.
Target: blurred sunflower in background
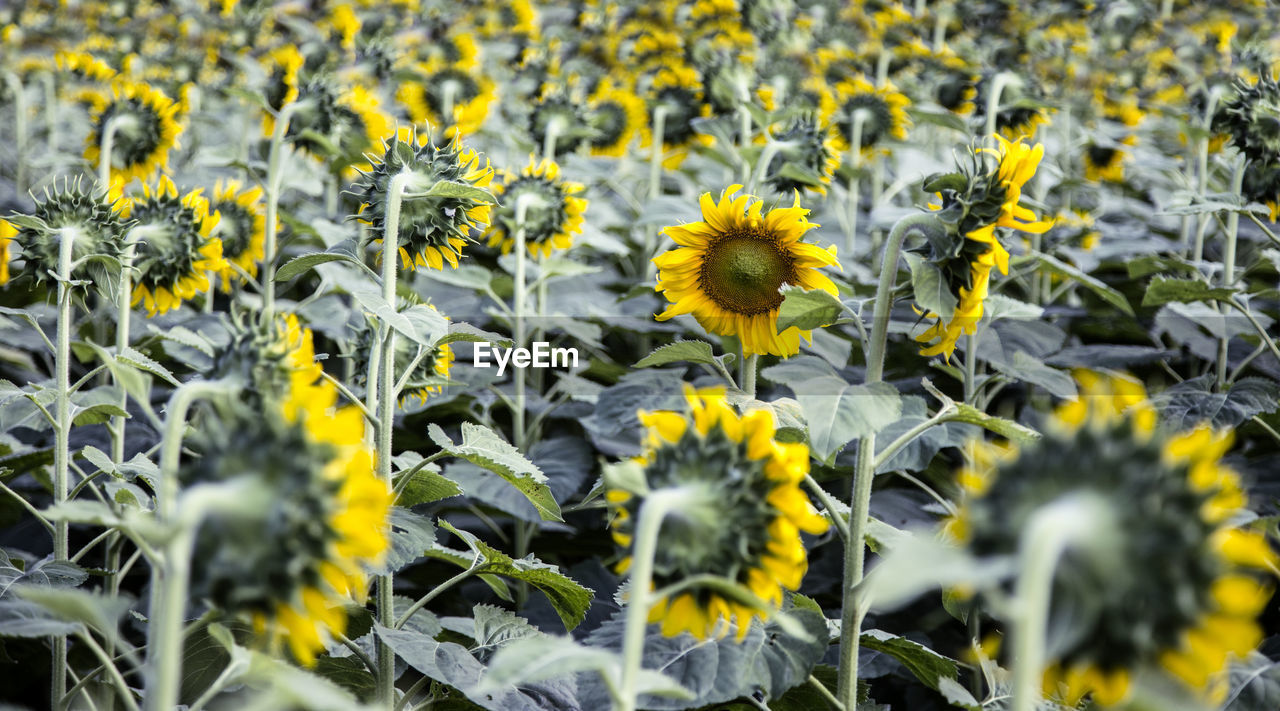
x,y
741,519
616,116
728,269
984,196
1176,589
241,228
554,213
177,251
145,129
807,160
448,98
314,513
883,113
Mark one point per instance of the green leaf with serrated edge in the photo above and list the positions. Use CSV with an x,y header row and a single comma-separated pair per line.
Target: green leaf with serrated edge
x,y
426,487
837,413
184,336
141,361
466,332
534,659
807,310
925,664
1104,292
1005,428
679,352
932,293
1149,264
99,612
462,191
569,599
306,262
1163,290
23,618
485,448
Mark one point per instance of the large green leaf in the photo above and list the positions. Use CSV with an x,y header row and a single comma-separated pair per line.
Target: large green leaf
x,y
1106,293
932,293
837,413
807,310
1164,290
484,448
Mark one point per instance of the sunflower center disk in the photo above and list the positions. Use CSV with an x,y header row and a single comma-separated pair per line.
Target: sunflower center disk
x,y
742,274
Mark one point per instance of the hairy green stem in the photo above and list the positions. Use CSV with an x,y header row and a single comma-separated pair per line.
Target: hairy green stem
x,y
752,364
864,472
1229,266
856,122
107,147
62,433
648,524
269,254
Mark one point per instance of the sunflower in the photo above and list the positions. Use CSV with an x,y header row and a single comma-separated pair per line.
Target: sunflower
x,y
241,228
146,129
728,269
7,233
883,110
986,197
432,229
678,90
430,372
283,65
1176,591
296,553
616,115
339,123
556,109
177,249
807,160
745,514
68,211
449,98
84,66
553,217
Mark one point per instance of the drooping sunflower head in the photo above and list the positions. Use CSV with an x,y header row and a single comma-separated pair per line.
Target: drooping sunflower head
x,y
1250,115
241,228
268,357
68,211
740,516
431,368
808,158
615,115
728,269
432,228
880,113
553,210
84,66
144,126
175,250
974,202
1019,114
314,513
1175,590
1262,184
451,99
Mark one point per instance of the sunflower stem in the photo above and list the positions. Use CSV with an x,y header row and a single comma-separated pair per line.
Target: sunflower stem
x,y
49,85
882,68
383,354
19,129
998,84
62,432
1048,534
648,523
124,311
107,147
762,165
749,375
1229,265
1202,174
524,532
970,365
943,16
655,189
273,203
549,140
170,575
856,122
864,472
744,129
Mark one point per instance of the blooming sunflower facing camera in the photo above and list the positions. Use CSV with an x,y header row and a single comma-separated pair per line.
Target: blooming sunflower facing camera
x,y
176,250
144,130
241,228
740,516
432,229
314,515
554,213
1176,588
982,197
729,268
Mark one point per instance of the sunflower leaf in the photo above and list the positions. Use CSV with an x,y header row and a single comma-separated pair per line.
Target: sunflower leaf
x,y
925,664
485,448
807,310
679,352
462,191
932,293
306,262
1163,290
1104,292
838,413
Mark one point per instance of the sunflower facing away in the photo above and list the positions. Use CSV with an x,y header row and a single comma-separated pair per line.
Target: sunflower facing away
x,y
241,228
293,557
178,249
433,229
554,215
146,129
745,516
728,269
1179,587
451,99
883,111
977,201
616,115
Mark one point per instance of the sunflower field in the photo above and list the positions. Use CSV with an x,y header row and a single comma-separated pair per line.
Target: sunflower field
x,y
606,355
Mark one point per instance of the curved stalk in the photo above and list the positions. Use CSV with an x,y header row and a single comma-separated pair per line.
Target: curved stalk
x,y
107,147
860,496
856,122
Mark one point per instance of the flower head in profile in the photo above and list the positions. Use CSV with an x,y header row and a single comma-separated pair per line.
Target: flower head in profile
x,y
1176,587
314,515
553,213
741,513
975,202
176,250
728,270
433,227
